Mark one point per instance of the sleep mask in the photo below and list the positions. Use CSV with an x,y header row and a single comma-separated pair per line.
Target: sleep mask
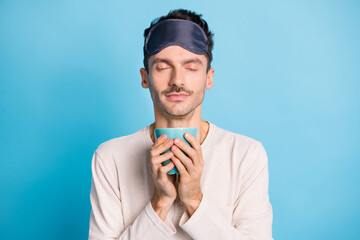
x,y
183,33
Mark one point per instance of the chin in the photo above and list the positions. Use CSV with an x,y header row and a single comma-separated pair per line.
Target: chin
x,y
178,109
177,112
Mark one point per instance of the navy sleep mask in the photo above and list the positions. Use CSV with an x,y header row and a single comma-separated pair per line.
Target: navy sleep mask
x,y
183,33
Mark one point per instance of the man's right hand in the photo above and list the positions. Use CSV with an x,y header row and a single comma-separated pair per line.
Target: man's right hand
x,y
165,190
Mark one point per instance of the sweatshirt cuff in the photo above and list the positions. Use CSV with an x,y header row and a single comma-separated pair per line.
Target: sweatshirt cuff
x,y
186,222
167,227
205,220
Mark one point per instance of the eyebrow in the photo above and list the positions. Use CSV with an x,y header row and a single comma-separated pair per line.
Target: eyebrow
x,y
168,61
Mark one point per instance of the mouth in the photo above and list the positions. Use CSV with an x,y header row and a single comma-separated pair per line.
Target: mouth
x,y
176,96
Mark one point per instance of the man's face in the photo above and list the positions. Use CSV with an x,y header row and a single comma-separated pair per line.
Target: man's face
x,y
177,80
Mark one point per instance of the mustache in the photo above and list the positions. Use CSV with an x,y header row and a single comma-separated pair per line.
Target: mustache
x,y
177,90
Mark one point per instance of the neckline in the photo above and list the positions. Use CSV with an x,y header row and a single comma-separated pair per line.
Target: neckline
x,y
206,141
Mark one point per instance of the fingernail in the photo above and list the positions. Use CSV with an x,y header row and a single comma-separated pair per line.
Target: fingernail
x,y
176,140
174,147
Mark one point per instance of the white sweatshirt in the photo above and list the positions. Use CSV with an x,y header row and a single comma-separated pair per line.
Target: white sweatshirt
x,y
234,183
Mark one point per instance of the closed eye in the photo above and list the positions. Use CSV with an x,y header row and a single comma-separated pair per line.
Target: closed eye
x,y
160,69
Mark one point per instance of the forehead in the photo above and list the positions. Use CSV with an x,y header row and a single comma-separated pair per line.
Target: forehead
x,y
177,54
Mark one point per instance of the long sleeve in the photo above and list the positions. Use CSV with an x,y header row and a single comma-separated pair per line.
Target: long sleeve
x,y
106,217
252,212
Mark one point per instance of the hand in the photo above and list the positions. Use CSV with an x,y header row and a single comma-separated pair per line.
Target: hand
x,y
190,168
165,191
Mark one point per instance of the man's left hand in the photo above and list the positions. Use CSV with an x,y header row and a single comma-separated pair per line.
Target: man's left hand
x,y
190,168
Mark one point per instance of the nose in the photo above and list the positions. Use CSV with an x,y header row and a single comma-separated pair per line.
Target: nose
x,y
177,77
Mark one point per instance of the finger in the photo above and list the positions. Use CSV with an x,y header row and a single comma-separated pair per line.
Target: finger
x,y
160,140
198,160
155,163
187,162
193,141
186,148
180,167
161,148
163,170
161,158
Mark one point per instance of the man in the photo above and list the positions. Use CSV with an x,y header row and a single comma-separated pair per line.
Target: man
x,y
221,191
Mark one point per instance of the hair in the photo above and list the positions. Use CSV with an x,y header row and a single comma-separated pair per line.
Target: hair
x,y
187,15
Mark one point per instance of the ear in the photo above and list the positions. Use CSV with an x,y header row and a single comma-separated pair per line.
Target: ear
x,y
144,78
209,78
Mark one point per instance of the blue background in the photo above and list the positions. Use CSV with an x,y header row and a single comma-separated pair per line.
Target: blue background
x,y
286,73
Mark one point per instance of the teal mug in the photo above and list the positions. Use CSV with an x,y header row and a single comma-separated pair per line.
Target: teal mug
x,y
174,133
